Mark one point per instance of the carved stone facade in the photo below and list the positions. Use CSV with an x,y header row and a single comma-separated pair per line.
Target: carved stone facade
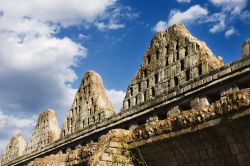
x,y
173,58
14,149
90,106
46,131
184,107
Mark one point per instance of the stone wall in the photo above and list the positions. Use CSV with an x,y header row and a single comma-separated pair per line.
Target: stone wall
x,y
14,149
179,86
46,131
90,106
173,58
111,149
195,137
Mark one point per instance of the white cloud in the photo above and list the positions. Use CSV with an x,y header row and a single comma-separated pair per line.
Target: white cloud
x,y
10,125
160,26
245,16
111,20
184,1
233,6
116,97
230,32
84,37
111,25
218,21
63,12
192,14
36,65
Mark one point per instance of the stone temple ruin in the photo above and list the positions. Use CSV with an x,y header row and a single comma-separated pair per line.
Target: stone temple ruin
x,y
183,107
90,106
46,131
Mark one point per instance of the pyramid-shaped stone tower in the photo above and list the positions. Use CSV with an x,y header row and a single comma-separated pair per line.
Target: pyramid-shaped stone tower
x,y
90,106
14,149
173,58
46,131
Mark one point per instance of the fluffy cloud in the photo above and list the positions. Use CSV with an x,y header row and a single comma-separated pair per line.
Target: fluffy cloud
x,y
36,65
116,97
218,21
233,6
230,10
13,126
184,1
111,19
230,32
190,15
160,26
63,12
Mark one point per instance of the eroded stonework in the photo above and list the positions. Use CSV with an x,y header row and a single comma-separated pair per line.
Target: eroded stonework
x,y
184,107
174,57
113,148
14,149
110,149
46,131
90,106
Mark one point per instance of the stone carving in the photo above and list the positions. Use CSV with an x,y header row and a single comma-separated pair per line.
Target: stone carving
x,y
46,131
246,48
14,149
176,65
109,150
174,57
90,106
112,148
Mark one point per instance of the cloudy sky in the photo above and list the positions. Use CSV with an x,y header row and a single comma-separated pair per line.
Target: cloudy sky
x,y
47,46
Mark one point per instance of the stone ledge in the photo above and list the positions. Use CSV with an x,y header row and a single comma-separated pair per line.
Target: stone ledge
x,y
139,111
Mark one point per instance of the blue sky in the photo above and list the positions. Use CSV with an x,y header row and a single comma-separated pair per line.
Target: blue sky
x,y
50,44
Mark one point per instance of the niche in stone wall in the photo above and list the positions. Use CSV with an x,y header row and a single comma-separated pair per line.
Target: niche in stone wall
x,y
149,59
182,64
157,54
145,73
184,105
213,96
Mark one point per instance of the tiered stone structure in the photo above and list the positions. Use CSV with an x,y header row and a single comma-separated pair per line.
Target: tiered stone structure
x,y
90,106
183,108
173,58
14,149
46,131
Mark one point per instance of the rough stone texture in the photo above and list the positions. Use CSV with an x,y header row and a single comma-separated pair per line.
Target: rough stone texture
x,y
230,103
14,149
246,48
174,57
90,106
223,145
190,110
110,149
46,131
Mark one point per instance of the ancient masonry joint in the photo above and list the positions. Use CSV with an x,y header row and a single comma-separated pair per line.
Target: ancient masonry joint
x,y
183,107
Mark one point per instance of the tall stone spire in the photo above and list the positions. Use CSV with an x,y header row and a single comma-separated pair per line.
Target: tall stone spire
x,y
173,58
46,131
90,106
14,149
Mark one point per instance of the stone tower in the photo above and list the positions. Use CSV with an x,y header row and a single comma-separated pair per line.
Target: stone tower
x,y
46,131
90,106
173,58
14,149
246,48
